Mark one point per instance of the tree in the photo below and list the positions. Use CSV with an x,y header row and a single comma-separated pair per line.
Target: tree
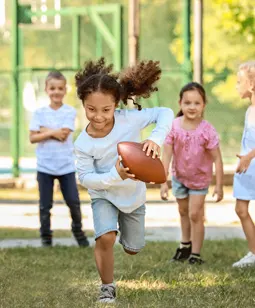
x,y
229,34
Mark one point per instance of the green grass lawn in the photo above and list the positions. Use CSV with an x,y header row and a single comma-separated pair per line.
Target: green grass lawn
x,y
28,194
19,194
67,277
31,194
20,233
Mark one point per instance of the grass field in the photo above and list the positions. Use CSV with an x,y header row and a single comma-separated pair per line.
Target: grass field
x,y
31,194
20,233
66,277
16,194
20,194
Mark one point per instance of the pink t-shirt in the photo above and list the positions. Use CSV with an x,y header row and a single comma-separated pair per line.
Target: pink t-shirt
x,y
192,163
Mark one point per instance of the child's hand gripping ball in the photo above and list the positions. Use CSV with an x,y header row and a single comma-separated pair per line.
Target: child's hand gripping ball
x,y
145,168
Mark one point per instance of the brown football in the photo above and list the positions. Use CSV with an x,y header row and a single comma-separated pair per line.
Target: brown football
x,y
145,168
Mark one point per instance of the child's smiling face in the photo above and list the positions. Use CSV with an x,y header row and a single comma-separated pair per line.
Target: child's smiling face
x,y
192,104
99,108
56,90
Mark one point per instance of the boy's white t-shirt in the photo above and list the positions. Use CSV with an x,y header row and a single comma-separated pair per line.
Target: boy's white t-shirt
x,y
96,157
55,157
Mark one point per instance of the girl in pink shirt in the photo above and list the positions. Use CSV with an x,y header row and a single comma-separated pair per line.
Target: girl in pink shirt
x,y
194,145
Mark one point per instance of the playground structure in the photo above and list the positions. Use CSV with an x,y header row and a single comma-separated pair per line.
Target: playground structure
x,y
22,15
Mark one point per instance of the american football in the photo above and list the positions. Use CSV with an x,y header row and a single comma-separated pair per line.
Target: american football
x,y
145,168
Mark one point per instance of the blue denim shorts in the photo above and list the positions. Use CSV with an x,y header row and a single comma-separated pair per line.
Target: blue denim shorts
x,y
108,217
180,191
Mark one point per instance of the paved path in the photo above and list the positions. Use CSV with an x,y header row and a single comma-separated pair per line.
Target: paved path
x,y
162,222
157,215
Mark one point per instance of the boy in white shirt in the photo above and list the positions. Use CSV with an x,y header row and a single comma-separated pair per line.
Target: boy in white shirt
x,y
52,127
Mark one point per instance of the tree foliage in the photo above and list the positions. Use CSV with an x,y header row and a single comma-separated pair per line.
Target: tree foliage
x,y
229,35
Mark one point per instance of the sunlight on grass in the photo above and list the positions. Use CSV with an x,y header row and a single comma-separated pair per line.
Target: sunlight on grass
x,y
144,285
83,285
199,277
204,279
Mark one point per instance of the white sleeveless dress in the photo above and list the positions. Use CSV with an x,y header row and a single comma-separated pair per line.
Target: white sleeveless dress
x,y
244,183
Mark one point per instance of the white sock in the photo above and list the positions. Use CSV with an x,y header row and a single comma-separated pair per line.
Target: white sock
x,y
185,245
109,285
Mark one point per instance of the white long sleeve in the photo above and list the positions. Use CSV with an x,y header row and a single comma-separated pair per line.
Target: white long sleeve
x,y
89,178
96,157
162,116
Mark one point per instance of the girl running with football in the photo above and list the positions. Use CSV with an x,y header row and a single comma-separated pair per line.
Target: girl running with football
x,y
117,197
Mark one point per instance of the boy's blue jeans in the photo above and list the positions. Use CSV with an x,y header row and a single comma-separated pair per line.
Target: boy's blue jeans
x,y
70,193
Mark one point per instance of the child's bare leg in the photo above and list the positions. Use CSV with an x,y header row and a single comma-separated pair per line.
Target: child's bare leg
x,y
104,256
196,215
242,210
183,205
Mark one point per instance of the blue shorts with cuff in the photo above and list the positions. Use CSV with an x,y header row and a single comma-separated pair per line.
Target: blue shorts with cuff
x,y
180,191
107,217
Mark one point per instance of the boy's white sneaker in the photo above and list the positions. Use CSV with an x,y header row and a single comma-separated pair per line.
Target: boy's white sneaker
x,y
248,260
107,293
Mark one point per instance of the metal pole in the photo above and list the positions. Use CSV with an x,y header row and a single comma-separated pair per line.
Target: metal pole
x,y
133,31
22,127
187,41
133,35
15,89
118,35
198,41
76,41
99,44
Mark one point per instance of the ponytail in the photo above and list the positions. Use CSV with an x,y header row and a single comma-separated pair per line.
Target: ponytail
x,y
136,81
179,114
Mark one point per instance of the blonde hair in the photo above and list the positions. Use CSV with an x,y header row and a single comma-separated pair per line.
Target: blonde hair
x,y
249,69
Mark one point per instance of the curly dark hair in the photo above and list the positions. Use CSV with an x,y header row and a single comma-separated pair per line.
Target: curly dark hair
x,y
136,81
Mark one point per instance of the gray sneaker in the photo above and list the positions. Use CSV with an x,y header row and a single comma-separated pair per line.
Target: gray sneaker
x,y
107,294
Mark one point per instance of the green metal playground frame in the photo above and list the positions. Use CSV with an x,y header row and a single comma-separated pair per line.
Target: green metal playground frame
x,y
113,37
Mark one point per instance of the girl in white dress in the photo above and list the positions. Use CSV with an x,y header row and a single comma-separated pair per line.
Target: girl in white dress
x,y
244,179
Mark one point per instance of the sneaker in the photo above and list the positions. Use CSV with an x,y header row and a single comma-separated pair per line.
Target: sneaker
x,y
82,240
181,254
107,294
195,260
46,242
247,260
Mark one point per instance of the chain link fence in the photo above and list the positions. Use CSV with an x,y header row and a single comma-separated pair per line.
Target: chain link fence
x,y
160,39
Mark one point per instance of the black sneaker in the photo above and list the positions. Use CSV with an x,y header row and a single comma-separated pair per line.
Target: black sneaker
x,y
195,260
82,241
107,294
182,254
46,242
